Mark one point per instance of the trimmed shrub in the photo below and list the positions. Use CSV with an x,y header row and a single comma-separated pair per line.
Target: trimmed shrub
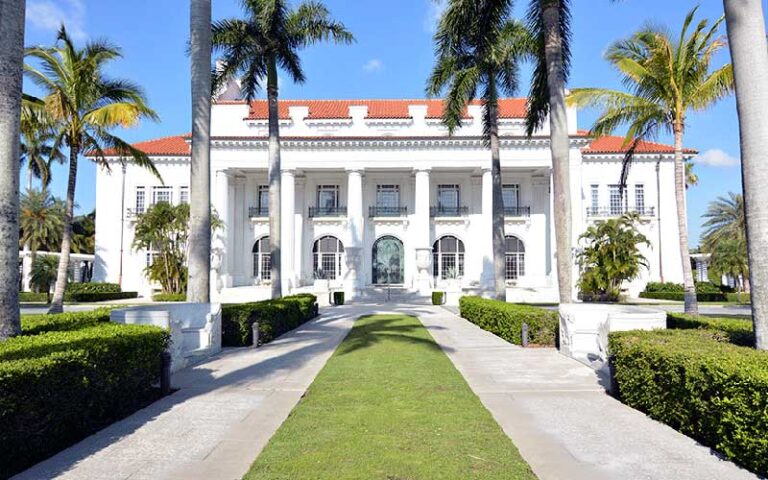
x,y
275,318
338,298
738,297
734,330
37,324
98,297
506,320
438,298
56,388
705,291
93,287
713,391
169,297
664,287
33,297
680,296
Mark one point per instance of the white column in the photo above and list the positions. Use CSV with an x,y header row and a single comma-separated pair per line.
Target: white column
x,y
487,279
422,237
354,245
288,207
221,246
240,267
298,236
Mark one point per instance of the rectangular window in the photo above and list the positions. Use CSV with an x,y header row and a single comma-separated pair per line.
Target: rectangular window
x,y
617,204
640,199
162,194
327,198
263,200
595,199
183,194
141,200
388,196
511,195
448,199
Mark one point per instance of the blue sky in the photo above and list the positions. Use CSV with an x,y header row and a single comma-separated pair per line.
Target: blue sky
x,y
391,59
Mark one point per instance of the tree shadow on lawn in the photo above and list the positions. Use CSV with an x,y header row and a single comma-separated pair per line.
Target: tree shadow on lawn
x,y
389,327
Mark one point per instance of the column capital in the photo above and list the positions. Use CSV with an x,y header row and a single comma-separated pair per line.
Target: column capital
x,y
355,170
288,171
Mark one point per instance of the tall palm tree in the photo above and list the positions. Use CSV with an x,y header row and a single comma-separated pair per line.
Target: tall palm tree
x,y
725,219
37,152
667,78
478,47
746,38
550,24
86,105
253,48
11,62
41,220
199,285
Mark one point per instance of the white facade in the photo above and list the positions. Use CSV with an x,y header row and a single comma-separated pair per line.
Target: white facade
x,y
384,170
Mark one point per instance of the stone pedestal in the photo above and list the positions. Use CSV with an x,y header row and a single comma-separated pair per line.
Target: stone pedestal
x,y
424,271
352,282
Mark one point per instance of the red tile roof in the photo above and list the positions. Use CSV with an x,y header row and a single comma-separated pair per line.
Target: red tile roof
x,y
611,144
377,109
166,146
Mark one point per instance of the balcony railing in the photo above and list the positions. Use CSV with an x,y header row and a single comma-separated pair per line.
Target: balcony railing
x,y
607,212
327,212
258,212
517,211
379,211
444,211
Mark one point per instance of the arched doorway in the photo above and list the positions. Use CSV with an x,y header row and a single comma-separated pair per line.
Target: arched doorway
x,y
388,260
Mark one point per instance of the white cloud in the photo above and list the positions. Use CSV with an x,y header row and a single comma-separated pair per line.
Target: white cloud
x,y
434,12
716,158
373,65
49,15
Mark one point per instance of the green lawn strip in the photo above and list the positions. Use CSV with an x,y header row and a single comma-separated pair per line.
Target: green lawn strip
x,y
389,405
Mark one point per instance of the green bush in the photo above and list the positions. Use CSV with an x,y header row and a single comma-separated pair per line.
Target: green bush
x,y
37,324
92,287
680,296
338,298
738,297
734,330
664,287
705,291
56,388
33,297
169,297
438,298
87,297
713,391
275,318
506,320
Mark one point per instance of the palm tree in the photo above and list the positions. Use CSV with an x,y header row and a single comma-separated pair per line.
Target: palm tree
x,y
37,133
725,220
253,48
691,177
549,22
84,233
667,78
86,105
41,221
478,47
729,257
199,286
11,62
746,38
44,274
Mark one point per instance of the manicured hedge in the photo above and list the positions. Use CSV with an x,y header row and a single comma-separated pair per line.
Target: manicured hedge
x,y
738,297
98,297
680,296
56,388
506,320
711,390
37,324
733,330
169,297
275,318
33,297
92,287
705,291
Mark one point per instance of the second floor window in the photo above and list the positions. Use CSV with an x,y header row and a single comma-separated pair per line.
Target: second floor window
x,y
640,198
511,195
162,194
595,198
388,196
327,197
141,200
263,200
183,194
448,197
617,199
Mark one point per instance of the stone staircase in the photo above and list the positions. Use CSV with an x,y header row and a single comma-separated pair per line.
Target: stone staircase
x,y
396,294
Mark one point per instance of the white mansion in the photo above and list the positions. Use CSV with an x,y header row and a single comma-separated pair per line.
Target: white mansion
x,y
375,192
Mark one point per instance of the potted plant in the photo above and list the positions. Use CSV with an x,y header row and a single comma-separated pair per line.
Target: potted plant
x,y
338,298
438,298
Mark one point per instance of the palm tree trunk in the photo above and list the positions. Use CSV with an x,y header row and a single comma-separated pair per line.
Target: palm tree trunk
x,y
199,285
274,178
27,250
57,303
691,304
746,35
497,205
560,146
11,62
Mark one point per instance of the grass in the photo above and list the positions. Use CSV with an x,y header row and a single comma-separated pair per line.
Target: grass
x,y
389,405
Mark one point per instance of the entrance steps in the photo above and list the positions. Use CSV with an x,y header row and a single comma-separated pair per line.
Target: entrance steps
x,y
393,294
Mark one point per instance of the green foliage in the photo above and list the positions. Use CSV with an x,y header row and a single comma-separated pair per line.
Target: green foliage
x,y
37,324
84,233
725,221
38,130
738,297
506,320
611,256
734,330
41,220
169,297
93,287
275,318
338,298
438,298
652,287
679,297
43,273
711,390
56,388
33,297
95,292
705,292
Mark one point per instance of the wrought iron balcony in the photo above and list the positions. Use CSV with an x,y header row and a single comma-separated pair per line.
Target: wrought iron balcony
x,y
379,211
327,212
258,212
608,212
517,211
445,211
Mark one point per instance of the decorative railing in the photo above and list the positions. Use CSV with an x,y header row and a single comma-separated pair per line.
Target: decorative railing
x,y
379,211
443,211
607,212
517,211
258,212
327,212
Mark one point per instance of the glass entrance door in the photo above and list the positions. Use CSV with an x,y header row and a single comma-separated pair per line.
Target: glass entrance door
x,y
388,260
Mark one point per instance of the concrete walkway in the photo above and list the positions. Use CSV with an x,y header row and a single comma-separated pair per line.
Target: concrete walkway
x,y
224,413
557,413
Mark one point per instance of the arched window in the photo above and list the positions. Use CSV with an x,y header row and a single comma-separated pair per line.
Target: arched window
x,y
514,258
262,260
327,253
448,258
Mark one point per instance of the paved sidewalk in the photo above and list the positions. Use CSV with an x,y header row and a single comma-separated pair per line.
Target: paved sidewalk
x,y
557,413
224,413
